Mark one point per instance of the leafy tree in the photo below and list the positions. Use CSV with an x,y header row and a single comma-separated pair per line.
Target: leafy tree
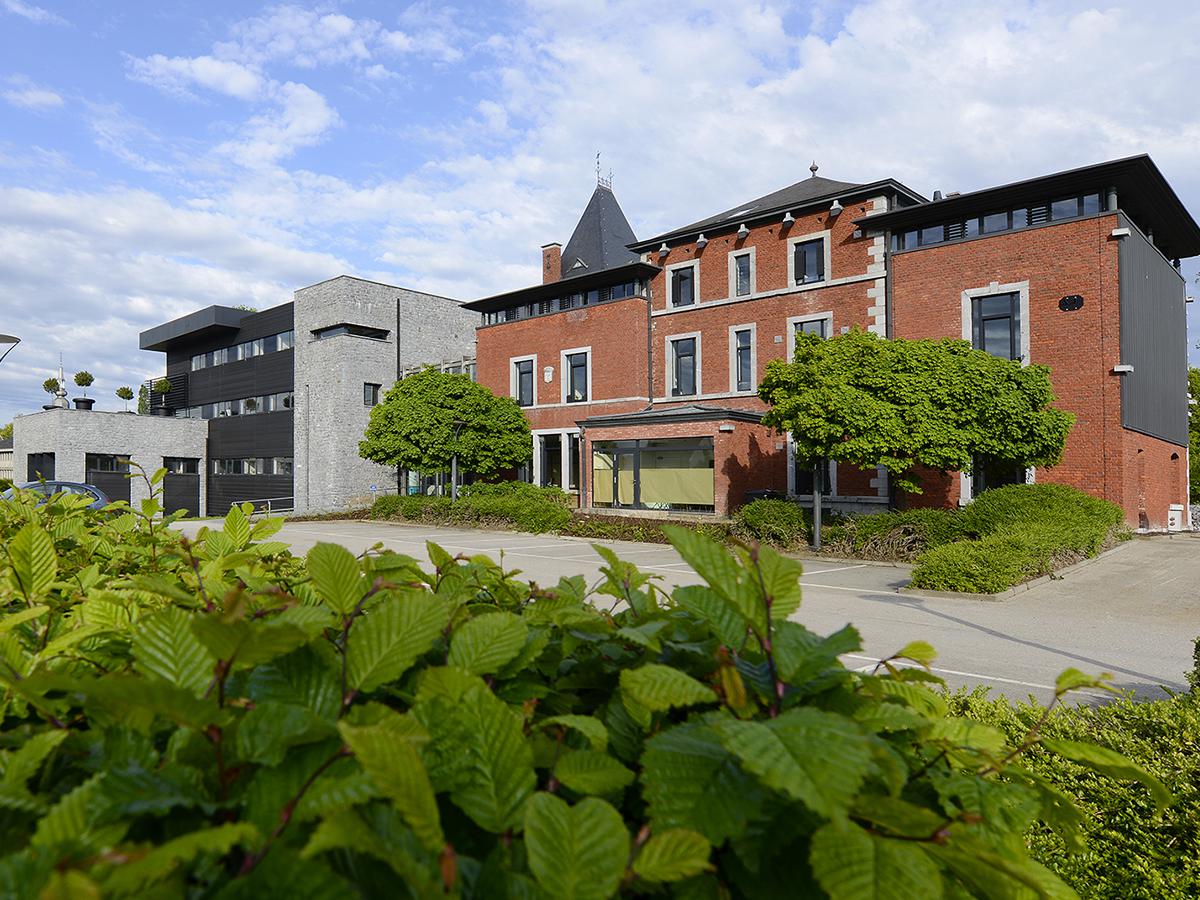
x,y
6,431
126,394
51,386
1194,433
143,405
863,400
217,718
430,416
162,386
84,380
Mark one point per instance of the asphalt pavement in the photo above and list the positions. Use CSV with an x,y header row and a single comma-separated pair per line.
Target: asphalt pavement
x,y
1133,612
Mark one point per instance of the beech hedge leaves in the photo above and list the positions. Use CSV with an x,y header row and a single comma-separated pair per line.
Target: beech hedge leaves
x,y
220,719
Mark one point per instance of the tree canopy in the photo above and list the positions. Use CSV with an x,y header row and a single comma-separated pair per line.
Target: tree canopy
x,y
863,400
414,426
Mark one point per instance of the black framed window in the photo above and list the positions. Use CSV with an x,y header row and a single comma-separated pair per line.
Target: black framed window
x,y
808,259
741,275
106,462
683,367
573,452
371,393
523,370
996,325
743,361
39,466
551,475
988,473
683,286
577,380
181,465
804,476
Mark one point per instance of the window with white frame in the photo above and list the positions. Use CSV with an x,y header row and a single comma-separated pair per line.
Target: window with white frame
x,y
820,324
684,367
741,273
808,258
523,381
682,284
576,368
741,358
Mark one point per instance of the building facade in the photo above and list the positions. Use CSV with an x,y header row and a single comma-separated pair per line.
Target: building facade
x,y
639,370
106,448
285,393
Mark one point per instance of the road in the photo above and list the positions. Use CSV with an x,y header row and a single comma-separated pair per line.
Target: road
x,y
1134,612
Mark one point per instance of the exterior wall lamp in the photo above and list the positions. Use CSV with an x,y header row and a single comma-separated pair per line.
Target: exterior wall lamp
x,y
663,251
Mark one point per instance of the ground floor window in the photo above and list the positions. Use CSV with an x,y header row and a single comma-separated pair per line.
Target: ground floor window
x,y
669,474
106,462
556,457
40,466
181,465
992,473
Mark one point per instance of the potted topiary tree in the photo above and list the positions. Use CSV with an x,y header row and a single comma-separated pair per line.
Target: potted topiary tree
x,y
84,380
126,394
51,386
162,387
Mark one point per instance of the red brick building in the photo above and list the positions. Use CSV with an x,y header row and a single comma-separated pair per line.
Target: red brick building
x,y
638,361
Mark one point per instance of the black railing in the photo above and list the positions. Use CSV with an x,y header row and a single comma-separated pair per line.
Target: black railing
x,y
175,398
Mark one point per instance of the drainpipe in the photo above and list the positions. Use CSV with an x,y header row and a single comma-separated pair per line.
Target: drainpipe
x,y
649,347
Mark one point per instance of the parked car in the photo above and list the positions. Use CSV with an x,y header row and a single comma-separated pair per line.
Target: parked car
x,y
98,498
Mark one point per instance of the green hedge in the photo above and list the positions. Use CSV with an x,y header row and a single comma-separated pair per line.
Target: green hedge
x,y
781,522
1132,851
629,528
892,536
527,508
1024,531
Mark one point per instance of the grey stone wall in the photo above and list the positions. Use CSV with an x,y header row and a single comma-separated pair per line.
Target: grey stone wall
x,y
70,434
330,416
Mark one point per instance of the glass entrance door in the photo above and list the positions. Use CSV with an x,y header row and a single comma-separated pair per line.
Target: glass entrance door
x,y
625,478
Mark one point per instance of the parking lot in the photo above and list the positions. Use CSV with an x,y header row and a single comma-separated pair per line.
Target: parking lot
x,y
1134,612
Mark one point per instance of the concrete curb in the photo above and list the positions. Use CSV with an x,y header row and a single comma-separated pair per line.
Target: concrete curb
x,y
1015,589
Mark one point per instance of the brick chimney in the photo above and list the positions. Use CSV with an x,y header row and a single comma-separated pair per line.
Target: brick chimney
x,y
551,263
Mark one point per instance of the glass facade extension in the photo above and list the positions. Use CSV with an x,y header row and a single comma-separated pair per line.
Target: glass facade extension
x,y
245,350
669,474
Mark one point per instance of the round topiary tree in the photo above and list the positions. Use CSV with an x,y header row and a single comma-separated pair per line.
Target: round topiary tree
x,y
126,394
51,386
84,380
162,386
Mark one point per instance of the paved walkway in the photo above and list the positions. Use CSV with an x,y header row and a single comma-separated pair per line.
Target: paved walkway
x,y
1134,612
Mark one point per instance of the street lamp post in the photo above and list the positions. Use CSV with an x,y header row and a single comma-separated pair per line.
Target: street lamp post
x,y
12,340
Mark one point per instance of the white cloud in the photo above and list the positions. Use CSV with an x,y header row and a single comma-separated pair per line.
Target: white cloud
x,y
178,74
35,14
27,95
299,118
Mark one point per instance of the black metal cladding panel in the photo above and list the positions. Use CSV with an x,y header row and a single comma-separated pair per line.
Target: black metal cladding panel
x,y
271,373
253,325
1153,341
114,484
264,434
181,492
225,490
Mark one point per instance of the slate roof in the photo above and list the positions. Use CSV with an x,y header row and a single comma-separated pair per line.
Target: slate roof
x,y
600,240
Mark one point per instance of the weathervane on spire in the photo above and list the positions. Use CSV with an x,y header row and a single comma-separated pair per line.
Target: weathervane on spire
x,y
813,168
603,182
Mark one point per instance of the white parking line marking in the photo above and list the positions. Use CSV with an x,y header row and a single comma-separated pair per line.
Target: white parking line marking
x,y
873,662
838,569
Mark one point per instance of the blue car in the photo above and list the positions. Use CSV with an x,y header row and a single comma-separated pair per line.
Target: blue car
x,y
98,498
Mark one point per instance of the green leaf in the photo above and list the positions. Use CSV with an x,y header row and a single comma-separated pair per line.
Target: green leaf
x,y
714,563
165,645
673,855
390,637
478,750
657,688
722,616
237,527
690,780
347,830
266,732
137,875
589,726
245,644
802,656
592,772
8,623
306,677
852,864
921,652
965,733
337,576
389,753
816,757
781,582
486,643
34,563
24,762
988,871
1109,762
575,853
1073,680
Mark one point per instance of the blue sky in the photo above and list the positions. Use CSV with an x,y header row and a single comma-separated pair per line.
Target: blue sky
x,y
159,157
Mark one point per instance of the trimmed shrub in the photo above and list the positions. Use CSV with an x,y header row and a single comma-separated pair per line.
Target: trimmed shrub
x,y
892,536
1024,531
528,508
780,522
649,531
1131,850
